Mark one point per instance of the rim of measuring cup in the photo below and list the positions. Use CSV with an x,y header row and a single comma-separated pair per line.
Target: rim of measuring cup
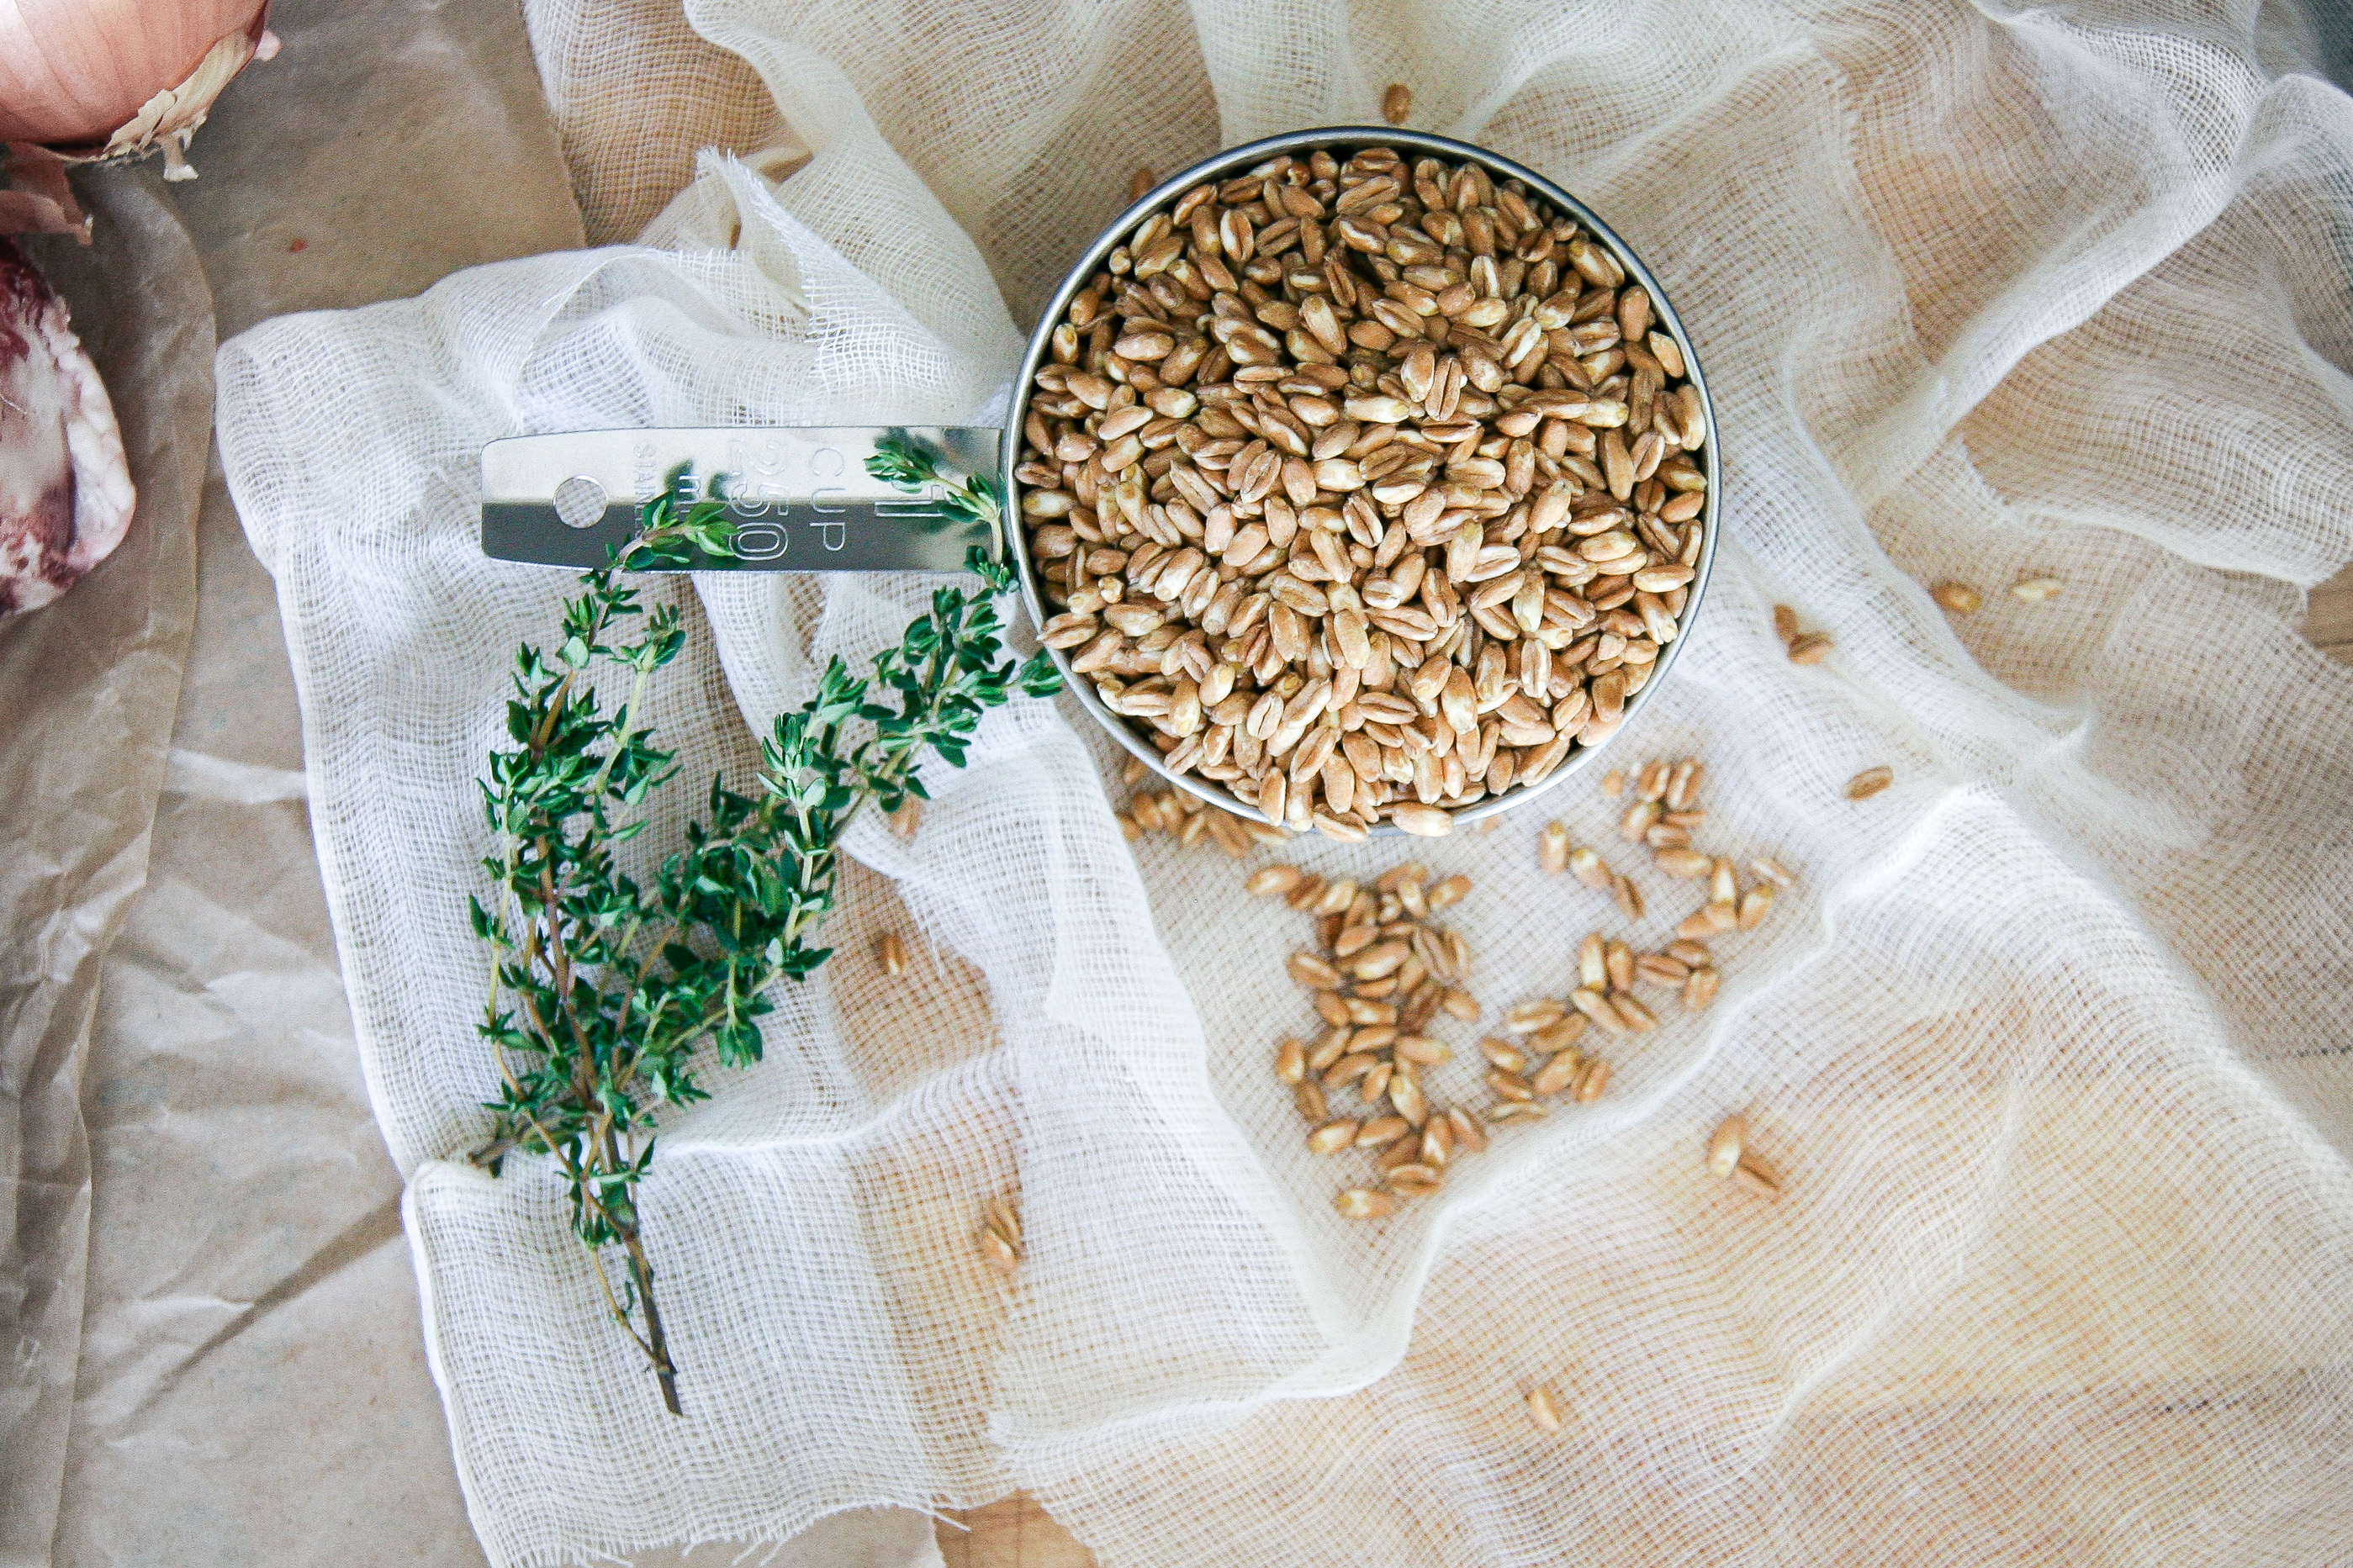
x,y
1223,166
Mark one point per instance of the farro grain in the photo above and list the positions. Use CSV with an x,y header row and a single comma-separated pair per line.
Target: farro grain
x,y
1468,1133
1552,848
1000,1254
1595,1006
1528,1017
1661,970
1629,897
1332,1137
1313,972
1509,1085
1543,1411
1422,1051
1699,989
1810,648
1560,1035
1556,1074
1437,1140
1291,1061
1593,962
1725,1144
1591,1080
1757,1177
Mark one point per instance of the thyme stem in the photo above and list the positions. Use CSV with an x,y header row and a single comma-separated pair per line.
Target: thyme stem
x,y
607,993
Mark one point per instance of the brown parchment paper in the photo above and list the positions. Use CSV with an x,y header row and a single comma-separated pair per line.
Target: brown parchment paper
x,y
87,688
251,1385
248,1385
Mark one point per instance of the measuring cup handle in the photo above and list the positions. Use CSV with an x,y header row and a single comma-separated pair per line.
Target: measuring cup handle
x,y
801,497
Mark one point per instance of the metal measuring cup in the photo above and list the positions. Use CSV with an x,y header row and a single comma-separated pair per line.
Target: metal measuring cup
x,y
801,498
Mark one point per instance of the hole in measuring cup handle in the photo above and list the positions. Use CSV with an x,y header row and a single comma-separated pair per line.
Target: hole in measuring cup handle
x,y
580,502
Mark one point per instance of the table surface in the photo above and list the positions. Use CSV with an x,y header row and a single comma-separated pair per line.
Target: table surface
x,y
1012,1533
2330,623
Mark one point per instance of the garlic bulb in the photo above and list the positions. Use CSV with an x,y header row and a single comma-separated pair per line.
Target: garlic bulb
x,y
108,78
65,489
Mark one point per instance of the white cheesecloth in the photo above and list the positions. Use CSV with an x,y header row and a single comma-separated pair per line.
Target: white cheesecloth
x,y
2052,1042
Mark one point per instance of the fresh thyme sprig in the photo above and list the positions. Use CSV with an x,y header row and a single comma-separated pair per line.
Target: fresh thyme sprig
x,y
604,991
913,464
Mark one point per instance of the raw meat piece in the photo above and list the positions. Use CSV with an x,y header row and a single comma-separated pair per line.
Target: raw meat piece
x,y
65,490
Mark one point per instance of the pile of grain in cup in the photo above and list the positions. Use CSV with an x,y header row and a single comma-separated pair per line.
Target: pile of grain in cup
x,y
1365,490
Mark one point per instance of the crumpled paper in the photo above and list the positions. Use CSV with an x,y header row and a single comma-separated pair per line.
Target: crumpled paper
x,y
243,1380
87,688
251,1380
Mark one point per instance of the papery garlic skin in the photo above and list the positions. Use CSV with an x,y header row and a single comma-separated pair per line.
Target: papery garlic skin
x,y
100,80
73,72
66,496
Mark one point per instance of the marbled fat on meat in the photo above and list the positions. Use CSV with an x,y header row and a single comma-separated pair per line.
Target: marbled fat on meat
x,y
65,490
